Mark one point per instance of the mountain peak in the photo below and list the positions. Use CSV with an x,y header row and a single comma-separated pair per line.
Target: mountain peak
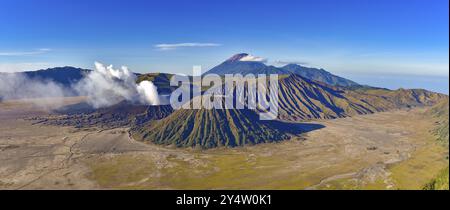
x,y
237,57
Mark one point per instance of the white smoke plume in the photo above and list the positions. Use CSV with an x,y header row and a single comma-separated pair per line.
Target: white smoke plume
x,y
148,93
106,86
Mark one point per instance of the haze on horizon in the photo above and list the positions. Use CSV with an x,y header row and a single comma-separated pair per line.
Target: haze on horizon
x,y
402,43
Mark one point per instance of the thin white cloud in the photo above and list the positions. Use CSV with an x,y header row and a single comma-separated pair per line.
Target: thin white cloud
x,y
286,62
25,53
19,67
185,45
254,59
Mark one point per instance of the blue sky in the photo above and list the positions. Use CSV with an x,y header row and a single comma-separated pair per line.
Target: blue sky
x,y
359,39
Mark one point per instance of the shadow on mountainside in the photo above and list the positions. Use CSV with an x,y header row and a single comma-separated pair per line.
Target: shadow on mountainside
x,y
294,128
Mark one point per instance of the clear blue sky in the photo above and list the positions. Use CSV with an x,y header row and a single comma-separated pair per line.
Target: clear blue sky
x,y
354,38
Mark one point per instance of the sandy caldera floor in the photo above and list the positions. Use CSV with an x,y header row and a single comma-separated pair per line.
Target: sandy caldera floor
x,y
391,150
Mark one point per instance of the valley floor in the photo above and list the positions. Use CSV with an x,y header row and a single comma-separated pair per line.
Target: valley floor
x,y
391,150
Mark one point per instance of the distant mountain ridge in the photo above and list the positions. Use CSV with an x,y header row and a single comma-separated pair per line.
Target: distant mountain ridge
x,y
319,75
235,65
304,99
63,75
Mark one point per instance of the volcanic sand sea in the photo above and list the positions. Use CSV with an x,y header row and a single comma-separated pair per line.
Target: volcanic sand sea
x,y
390,150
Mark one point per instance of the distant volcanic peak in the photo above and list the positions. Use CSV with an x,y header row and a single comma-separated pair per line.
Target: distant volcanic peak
x,y
237,57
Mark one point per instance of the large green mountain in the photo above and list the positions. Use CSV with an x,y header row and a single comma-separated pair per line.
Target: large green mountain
x,y
204,128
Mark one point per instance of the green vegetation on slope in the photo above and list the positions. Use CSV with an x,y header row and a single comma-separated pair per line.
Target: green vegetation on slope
x,y
440,182
441,113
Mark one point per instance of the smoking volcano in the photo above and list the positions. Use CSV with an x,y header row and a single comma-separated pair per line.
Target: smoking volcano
x,y
106,86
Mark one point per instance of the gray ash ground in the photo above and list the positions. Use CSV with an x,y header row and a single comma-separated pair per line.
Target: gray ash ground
x,y
124,114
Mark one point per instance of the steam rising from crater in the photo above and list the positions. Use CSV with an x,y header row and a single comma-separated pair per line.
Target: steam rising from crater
x,y
106,86
148,93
